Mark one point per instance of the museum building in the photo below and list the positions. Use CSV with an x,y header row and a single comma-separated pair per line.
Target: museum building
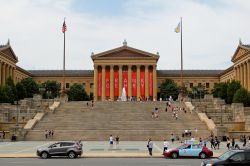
x,y
129,68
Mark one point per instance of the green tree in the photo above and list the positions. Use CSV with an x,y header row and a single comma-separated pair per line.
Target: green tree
x,y
220,90
8,96
53,87
11,84
241,96
77,93
232,87
30,86
169,88
3,95
21,93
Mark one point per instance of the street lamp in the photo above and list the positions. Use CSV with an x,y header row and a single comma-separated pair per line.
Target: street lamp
x,y
17,113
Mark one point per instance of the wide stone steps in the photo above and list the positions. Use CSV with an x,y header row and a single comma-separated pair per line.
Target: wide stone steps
x,y
129,120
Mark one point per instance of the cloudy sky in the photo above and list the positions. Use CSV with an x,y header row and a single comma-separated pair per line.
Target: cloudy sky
x,y
211,30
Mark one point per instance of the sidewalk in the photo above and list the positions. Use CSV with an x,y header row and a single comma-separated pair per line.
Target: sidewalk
x,y
93,149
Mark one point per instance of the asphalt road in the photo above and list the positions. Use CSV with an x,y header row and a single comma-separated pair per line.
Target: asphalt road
x,y
99,161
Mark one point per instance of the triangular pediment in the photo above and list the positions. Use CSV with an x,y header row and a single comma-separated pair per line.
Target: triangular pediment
x,y
240,52
124,52
9,53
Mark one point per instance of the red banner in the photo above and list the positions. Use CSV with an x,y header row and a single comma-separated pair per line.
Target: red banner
x,y
133,83
99,83
125,81
116,84
107,83
142,83
150,82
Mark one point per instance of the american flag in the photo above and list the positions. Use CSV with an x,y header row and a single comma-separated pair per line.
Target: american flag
x,y
64,27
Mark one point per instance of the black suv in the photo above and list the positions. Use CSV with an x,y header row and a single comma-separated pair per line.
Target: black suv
x,y
230,158
70,148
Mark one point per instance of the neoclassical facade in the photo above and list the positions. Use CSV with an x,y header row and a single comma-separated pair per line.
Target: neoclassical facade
x,y
128,68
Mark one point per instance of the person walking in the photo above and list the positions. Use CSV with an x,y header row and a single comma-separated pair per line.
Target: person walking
x,y
150,146
3,134
165,146
228,143
111,142
244,141
212,143
52,133
46,134
117,139
233,142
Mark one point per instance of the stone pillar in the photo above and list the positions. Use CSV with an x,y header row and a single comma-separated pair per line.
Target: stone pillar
x,y
248,75
6,71
14,75
245,74
112,82
129,81
0,73
154,83
138,89
103,83
3,73
235,72
120,80
95,82
146,82
10,72
240,74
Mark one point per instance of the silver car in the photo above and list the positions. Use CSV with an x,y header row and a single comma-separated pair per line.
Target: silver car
x,y
72,149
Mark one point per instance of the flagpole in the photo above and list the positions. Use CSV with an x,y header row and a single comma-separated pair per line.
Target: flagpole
x,y
182,85
64,60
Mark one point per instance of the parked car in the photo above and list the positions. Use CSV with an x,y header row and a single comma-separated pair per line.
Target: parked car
x,y
189,150
231,157
71,149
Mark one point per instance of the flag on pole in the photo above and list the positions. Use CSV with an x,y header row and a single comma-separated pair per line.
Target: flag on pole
x,y
64,27
177,29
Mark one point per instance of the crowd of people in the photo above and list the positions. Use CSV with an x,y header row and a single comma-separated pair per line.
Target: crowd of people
x,y
49,134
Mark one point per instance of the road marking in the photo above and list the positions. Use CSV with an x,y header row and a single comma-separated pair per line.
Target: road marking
x,y
9,144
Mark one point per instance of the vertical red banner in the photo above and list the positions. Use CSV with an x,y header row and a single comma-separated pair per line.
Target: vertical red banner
x,y
107,83
142,81
99,90
133,83
116,84
150,82
125,81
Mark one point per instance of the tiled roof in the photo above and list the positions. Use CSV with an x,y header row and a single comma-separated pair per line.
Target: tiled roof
x,y
72,73
174,73
160,73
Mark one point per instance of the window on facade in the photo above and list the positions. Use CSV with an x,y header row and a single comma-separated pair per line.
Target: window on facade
x,y
67,85
199,84
191,85
91,85
83,85
207,85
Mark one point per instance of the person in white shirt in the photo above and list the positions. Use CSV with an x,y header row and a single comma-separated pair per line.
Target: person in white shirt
x,y
165,145
111,141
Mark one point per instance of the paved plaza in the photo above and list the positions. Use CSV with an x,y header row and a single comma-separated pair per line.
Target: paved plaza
x,y
94,149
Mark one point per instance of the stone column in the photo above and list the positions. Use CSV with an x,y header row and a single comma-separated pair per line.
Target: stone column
x,y
235,73
138,89
95,82
6,71
14,75
245,74
3,73
0,73
112,82
129,81
103,83
154,83
120,80
11,71
248,75
146,82
242,74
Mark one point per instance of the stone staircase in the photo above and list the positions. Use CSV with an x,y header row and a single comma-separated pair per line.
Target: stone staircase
x,y
132,121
